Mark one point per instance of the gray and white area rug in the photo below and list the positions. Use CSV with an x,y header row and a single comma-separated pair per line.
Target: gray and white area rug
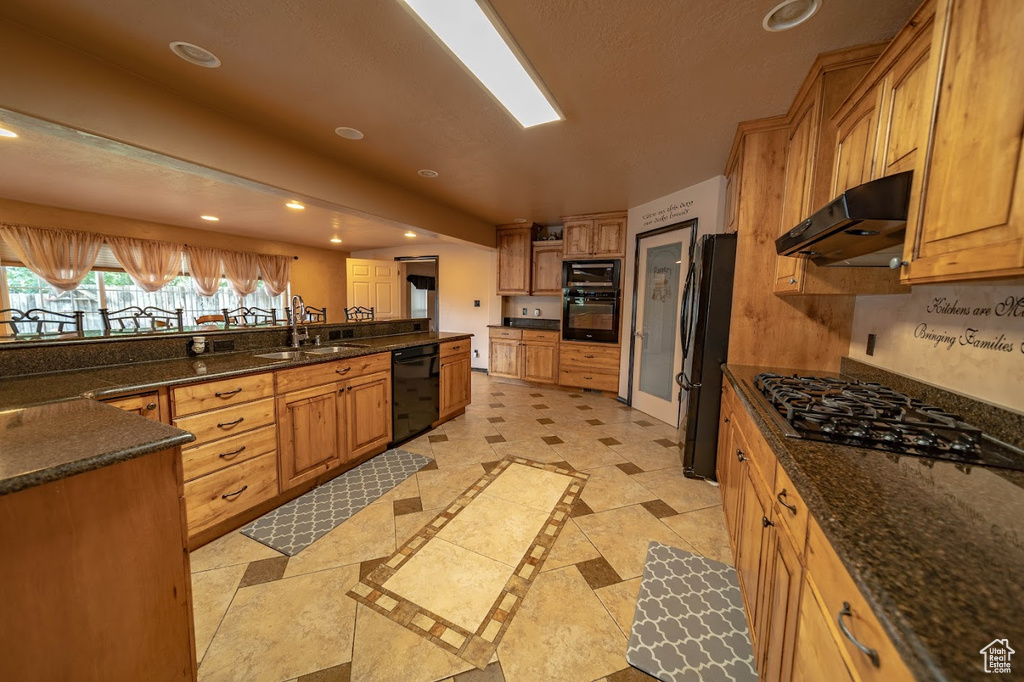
x,y
296,525
689,623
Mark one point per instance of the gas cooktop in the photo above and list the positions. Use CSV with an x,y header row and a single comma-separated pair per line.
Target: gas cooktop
x,y
869,415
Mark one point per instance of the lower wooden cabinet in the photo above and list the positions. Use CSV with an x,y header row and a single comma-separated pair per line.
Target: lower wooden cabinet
x,y
528,354
367,414
312,432
808,621
217,497
540,362
456,384
146,405
505,358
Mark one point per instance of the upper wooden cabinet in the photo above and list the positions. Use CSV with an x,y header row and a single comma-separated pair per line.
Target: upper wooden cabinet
x,y
809,183
966,218
547,268
514,243
599,235
733,180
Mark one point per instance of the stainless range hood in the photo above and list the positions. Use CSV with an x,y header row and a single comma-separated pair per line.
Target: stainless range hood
x,y
863,227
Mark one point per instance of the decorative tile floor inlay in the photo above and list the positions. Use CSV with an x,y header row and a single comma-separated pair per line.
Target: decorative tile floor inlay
x,y
296,525
689,621
460,580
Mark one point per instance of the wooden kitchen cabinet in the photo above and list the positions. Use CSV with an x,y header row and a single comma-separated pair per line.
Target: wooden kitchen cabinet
x,y
540,356
312,425
966,218
456,380
148,405
781,602
547,268
733,183
728,465
817,655
597,235
754,508
505,358
514,243
367,414
856,137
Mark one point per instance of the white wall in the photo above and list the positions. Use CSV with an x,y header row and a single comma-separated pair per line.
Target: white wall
x,y
705,202
928,333
550,307
465,273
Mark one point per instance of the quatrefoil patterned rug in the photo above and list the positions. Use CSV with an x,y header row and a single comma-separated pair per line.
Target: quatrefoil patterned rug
x,y
689,623
293,527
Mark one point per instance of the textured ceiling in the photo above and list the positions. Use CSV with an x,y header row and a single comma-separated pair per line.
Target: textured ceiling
x,y
651,91
52,165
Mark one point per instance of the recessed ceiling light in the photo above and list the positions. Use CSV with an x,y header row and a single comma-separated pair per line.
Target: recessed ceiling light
x,y
211,218
349,133
474,34
296,205
790,13
193,54
519,220
335,240
427,173
410,233
7,133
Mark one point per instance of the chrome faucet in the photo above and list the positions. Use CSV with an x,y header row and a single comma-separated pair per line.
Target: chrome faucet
x,y
298,311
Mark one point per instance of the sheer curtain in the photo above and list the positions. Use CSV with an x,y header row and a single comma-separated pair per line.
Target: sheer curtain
x,y
150,264
204,266
242,271
61,257
276,271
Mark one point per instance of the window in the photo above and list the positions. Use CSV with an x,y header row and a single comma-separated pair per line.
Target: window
x,y
115,290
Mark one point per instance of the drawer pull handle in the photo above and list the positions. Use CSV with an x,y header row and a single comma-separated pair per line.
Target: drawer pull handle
x,y
740,456
781,498
765,522
589,378
151,406
237,492
343,371
225,394
224,425
589,357
225,455
870,653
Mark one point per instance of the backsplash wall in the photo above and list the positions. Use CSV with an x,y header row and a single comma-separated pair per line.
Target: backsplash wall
x,y
967,338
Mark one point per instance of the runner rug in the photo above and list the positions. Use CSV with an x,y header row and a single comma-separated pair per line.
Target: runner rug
x,y
460,580
296,525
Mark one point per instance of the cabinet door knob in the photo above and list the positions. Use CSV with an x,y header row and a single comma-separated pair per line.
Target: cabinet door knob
x,y
792,280
870,653
765,522
725,419
151,406
740,456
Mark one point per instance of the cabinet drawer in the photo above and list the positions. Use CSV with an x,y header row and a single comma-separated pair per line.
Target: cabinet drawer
x,y
757,450
792,509
837,589
602,381
205,459
505,333
296,379
455,347
542,335
594,357
216,394
217,424
228,492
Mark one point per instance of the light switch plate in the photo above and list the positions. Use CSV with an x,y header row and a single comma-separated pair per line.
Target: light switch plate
x,y
524,311
870,349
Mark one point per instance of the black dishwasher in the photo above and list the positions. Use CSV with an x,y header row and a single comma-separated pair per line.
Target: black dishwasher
x,y
415,385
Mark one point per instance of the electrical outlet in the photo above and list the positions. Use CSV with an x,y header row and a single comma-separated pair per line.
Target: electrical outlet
x,y
476,303
870,350
476,353
536,312
524,311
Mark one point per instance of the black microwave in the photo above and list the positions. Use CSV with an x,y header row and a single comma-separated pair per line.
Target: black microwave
x,y
590,274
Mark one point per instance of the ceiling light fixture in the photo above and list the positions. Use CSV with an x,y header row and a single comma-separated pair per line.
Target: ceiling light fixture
x,y
789,14
193,54
427,173
335,240
519,220
410,233
4,132
476,37
296,205
349,133
211,218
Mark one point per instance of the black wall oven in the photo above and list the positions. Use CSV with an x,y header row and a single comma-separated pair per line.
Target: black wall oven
x,y
591,315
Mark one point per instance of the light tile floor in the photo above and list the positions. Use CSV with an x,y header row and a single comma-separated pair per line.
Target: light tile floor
x,y
263,616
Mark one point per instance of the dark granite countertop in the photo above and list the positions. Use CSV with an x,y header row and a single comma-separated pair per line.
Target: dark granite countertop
x,y
46,443
528,323
937,549
104,382
50,430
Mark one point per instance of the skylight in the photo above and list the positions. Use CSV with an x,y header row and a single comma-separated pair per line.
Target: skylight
x,y
484,47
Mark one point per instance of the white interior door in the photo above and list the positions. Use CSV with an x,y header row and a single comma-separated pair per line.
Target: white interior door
x,y
375,284
657,351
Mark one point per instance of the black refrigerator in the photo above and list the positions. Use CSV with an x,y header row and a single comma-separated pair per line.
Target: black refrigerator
x,y
704,325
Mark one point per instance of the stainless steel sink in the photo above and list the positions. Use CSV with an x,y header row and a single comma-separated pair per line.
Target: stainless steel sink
x,y
337,348
282,355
